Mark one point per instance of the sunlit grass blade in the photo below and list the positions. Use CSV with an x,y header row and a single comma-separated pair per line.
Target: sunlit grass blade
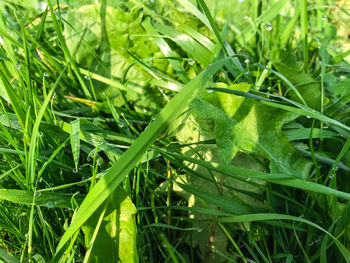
x,y
304,32
48,199
190,45
273,11
166,50
7,257
75,141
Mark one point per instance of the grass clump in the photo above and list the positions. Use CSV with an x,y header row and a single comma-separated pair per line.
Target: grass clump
x,y
174,131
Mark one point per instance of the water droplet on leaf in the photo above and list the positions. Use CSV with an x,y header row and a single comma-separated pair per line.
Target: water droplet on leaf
x,y
50,204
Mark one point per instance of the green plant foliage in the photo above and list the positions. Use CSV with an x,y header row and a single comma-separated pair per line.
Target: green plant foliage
x,y
242,124
100,37
116,237
174,131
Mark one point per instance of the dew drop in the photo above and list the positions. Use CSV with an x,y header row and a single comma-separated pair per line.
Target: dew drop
x,y
248,179
18,66
191,62
144,110
200,230
209,91
269,27
131,37
245,17
86,77
240,1
122,114
121,125
103,174
46,74
308,117
36,194
324,18
319,47
153,118
280,13
246,61
50,204
75,170
152,1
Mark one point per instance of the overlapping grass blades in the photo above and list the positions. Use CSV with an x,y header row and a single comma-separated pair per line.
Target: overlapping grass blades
x,y
129,159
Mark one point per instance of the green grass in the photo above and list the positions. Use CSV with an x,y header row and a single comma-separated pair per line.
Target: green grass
x,y
174,131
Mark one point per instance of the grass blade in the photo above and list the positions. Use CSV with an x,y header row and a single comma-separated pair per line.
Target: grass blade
x,y
75,141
